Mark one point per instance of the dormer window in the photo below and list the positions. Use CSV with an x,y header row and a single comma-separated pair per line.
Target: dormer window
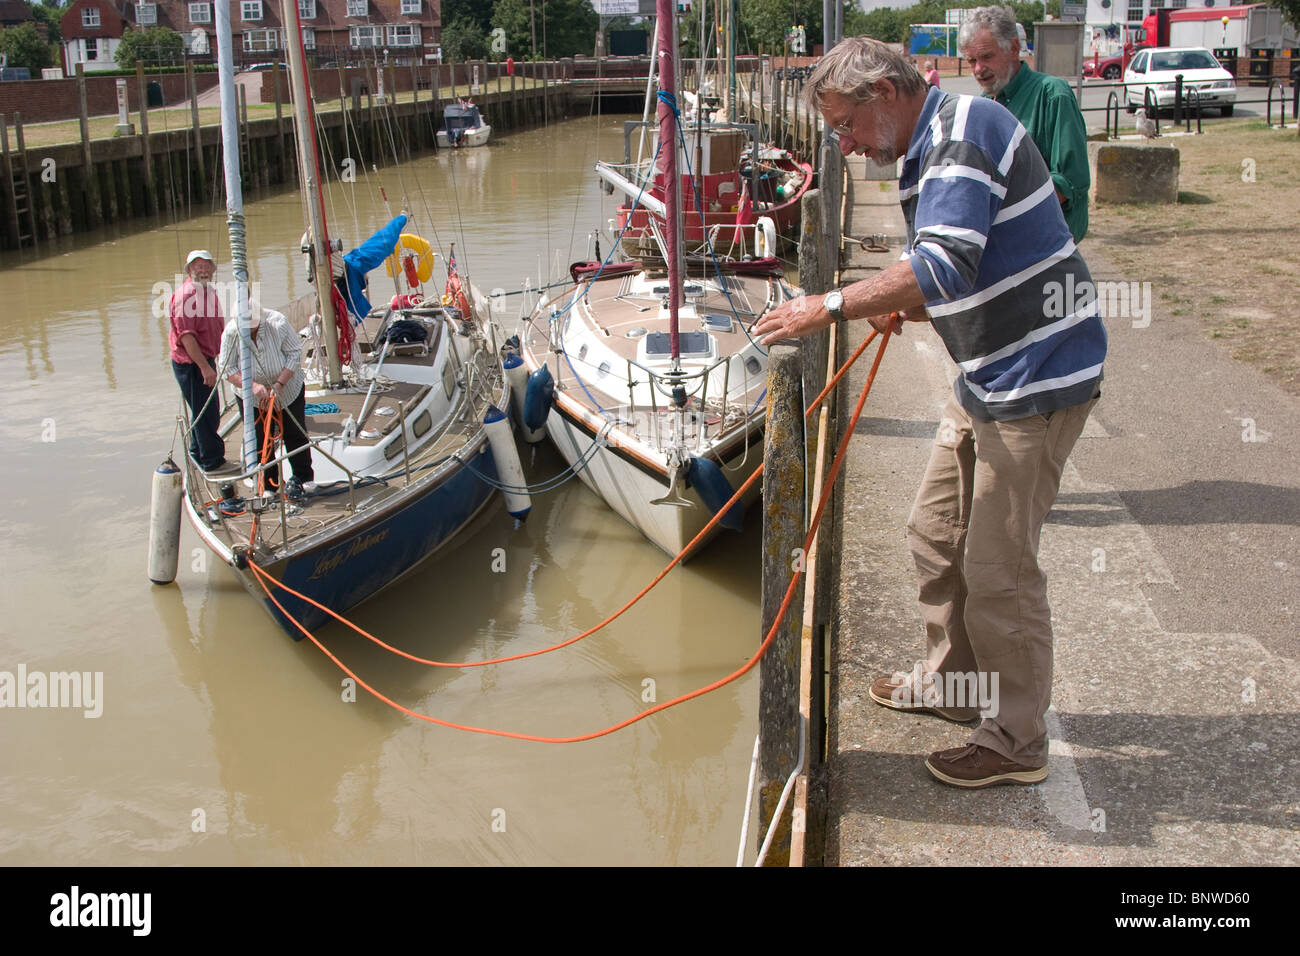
x,y
90,18
411,8
306,9
146,14
357,8
200,13
250,10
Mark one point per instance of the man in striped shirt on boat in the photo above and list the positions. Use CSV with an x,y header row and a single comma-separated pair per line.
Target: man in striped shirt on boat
x,y
991,263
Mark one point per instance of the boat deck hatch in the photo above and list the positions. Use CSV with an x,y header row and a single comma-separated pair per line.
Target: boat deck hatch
x,y
693,345
717,322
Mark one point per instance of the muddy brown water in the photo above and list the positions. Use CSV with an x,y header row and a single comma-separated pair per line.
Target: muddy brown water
x,y
220,740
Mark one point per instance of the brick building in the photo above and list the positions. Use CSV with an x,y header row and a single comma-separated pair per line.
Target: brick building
x,y
332,30
91,32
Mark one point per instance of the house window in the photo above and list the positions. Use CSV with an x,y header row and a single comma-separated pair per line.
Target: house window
x,y
90,18
308,37
411,8
357,8
306,10
200,13
92,48
146,14
1135,11
364,36
250,10
261,41
404,35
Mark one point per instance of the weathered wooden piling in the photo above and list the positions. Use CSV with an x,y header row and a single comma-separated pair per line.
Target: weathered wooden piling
x,y
94,213
94,181
150,196
783,534
198,129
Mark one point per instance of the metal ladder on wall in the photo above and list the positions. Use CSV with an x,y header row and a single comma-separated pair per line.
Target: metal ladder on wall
x,y
22,217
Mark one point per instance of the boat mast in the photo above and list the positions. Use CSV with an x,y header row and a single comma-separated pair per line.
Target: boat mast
x,y
235,224
305,127
667,57
731,64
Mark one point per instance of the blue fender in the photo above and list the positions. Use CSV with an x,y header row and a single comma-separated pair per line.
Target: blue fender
x,y
538,398
715,491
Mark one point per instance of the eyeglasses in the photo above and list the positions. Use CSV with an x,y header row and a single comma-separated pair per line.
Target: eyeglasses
x,y
844,128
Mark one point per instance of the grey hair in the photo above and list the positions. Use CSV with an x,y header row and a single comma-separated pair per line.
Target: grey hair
x,y
855,65
999,21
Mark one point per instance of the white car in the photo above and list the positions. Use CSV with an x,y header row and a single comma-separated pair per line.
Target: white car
x,y
1156,69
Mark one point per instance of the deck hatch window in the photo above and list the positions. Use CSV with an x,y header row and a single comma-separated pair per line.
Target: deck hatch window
x,y
693,345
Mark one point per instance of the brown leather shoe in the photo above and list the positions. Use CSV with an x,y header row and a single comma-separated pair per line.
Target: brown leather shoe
x,y
896,694
975,766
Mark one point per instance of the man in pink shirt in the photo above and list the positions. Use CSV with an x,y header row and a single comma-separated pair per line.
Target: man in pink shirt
x,y
195,339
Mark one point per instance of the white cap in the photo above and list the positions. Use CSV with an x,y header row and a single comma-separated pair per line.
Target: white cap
x,y
200,254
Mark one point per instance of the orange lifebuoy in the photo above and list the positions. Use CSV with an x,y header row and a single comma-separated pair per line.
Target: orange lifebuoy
x,y
414,254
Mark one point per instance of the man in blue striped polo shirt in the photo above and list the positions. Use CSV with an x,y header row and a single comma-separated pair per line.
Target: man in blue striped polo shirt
x,y
991,263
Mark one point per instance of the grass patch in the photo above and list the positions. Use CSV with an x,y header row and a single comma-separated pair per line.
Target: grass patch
x,y
1226,243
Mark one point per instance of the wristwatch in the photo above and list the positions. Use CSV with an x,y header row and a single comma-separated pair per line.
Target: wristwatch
x,y
834,304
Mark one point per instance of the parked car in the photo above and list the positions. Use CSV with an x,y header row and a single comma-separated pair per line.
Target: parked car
x,y
1156,70
1104,67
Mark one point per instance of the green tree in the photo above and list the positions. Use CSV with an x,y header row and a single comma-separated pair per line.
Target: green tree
x,y
153,47
476,11
24,47
569,27
512,16
882,24
765,22
1290,10
51,16
464,39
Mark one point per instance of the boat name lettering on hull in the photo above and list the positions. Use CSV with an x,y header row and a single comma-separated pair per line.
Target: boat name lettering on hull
x,y
332,561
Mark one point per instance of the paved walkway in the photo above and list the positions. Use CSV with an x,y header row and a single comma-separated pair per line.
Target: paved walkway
x,y
1173,558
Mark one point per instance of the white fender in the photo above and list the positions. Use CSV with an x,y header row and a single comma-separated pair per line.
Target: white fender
x,y
165,523
501,439
765,238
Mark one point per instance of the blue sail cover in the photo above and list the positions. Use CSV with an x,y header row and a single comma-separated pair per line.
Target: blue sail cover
x,y
365,257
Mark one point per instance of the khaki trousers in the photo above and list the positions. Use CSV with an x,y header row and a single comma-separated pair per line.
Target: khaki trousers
x,y
974,532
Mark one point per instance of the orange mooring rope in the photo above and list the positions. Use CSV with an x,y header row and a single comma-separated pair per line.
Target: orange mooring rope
x,y
262,577
611,618
271,421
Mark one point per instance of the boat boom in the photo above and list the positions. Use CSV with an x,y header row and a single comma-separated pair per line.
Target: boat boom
x,y
636,193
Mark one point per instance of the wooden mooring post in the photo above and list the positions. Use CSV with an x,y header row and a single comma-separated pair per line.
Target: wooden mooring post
x,y
146,156
783,533
94,215
192,89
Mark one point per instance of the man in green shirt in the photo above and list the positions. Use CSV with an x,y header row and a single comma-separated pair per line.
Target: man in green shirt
x,y
1044,104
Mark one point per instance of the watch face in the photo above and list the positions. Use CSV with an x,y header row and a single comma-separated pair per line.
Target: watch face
x,y
834,302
